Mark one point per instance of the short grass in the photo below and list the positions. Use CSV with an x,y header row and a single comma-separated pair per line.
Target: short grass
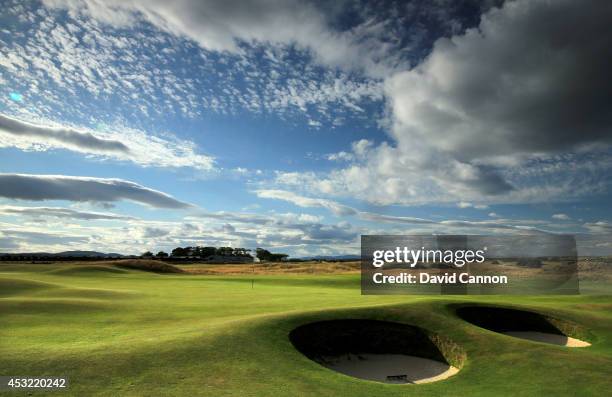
x,y
130,332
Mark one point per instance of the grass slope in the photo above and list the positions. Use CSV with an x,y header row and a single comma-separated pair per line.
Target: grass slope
x,y
141,333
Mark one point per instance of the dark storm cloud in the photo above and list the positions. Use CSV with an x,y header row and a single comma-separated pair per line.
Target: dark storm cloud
x,y
488,181
534,77
65,136
72,188
530,82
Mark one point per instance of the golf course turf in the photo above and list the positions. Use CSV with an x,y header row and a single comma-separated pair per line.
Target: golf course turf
x,y
118,331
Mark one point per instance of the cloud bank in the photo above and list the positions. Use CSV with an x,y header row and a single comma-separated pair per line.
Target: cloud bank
x,y
81,141
59,212
520,83
81,189
124,144
472,121
436,225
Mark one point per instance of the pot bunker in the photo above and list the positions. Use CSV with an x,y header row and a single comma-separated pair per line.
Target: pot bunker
x,y
379,350
524,324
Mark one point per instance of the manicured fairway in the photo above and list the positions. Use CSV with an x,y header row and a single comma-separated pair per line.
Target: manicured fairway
x,y
127,332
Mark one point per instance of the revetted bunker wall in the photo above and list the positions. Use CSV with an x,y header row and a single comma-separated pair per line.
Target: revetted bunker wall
x,y
352,336
502,319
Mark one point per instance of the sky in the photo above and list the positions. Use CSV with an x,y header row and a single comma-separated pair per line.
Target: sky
x,y
299,126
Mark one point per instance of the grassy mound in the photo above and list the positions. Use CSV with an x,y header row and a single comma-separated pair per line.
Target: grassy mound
x,y
52,307
212,335
148,265
84,270
14,286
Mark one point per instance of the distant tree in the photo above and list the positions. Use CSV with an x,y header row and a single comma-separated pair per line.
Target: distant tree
x,y
162,254
225,251
147,254
178,251
205,252
262,254
265,255
279,257
191,251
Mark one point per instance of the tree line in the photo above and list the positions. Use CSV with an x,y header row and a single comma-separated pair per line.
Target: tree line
x,y
207,252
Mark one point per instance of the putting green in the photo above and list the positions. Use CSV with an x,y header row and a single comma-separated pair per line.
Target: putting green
x,y
137,333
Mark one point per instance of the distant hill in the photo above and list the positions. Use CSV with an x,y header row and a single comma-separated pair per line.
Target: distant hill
x,y
68,254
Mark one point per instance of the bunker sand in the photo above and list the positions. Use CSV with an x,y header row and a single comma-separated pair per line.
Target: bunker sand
x,y
390,368
553,339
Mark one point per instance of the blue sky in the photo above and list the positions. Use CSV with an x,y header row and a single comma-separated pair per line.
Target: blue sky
x,y
133,125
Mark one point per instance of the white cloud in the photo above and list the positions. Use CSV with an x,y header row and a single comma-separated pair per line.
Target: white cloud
x,y
296,233
561,217
14,239
335,208
362,147
120,143
444,226
220,26
369,216
236,217
465,204
289,231
340,156
599,227
60,212
315,123
69,66
293,233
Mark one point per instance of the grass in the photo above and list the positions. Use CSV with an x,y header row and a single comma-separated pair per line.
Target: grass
x,y
310,267
147,266
117,331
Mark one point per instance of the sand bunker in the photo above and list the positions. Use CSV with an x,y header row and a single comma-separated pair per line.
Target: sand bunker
x,y
553,339
390,368
375,350
521,324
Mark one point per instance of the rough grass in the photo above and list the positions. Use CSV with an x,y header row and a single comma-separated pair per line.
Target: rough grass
x,y
219,335
303,268
147,265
